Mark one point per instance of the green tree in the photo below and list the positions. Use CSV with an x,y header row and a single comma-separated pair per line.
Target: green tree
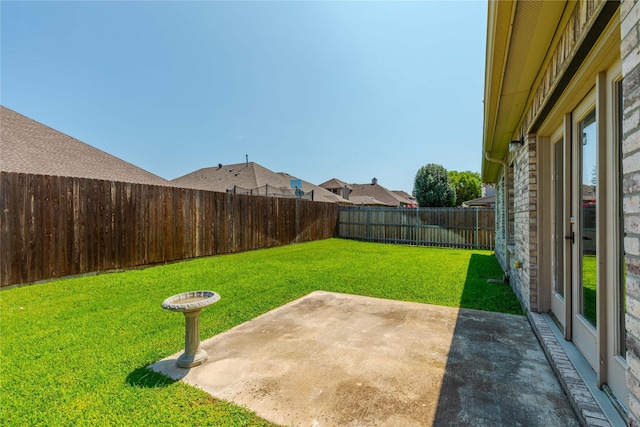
x,y
432,188
468,185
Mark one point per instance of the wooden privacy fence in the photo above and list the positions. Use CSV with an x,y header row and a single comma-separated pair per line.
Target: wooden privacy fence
x,y
53,226
447,227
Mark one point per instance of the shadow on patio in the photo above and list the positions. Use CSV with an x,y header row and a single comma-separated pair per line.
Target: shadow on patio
x,y
496,372
331,359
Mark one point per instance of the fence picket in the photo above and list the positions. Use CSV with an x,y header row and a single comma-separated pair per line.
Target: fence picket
x,y
58,226
448,227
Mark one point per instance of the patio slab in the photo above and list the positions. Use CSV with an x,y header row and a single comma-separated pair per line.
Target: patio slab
x,y
332,359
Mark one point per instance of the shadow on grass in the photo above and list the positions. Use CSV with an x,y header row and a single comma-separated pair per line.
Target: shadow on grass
x,y
496,373
146,378
480,294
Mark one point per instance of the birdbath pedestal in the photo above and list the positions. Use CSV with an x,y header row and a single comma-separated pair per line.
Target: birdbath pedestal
x,y
191,303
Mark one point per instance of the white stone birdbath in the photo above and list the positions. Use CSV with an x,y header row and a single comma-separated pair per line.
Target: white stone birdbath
x,y
191,303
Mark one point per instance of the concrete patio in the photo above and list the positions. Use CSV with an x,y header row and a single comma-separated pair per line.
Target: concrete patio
x,y
332,359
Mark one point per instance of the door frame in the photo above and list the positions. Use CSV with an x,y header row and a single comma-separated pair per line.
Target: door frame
x,y
560,205
601,71
583,334
604,352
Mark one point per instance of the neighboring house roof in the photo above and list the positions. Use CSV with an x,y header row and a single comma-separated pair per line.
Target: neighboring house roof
x,y
403,194
366,201
485,201
28,146
252,178
338,187
588,193
335,183
380,193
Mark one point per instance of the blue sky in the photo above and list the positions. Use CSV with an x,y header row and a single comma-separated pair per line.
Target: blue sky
x,y
351,90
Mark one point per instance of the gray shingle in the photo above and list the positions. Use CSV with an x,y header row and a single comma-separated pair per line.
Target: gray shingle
x,y
28,146
251,176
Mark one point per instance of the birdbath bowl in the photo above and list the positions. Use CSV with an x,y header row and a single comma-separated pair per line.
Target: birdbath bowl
x,y
191,303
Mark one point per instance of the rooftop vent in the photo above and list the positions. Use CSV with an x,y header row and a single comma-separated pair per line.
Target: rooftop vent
x,y
374,181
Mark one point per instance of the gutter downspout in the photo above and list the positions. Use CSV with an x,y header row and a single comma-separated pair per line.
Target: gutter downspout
x,y
507,257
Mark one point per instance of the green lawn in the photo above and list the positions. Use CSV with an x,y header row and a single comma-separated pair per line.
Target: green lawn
x,y
589,288
74,351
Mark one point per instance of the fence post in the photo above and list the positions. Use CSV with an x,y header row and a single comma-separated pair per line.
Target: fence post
x,y
417,224
477,229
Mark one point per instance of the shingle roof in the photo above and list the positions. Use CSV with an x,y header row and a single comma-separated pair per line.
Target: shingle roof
x,y
28,146
335,183
366,201
481,201
254,178
403,194
380,193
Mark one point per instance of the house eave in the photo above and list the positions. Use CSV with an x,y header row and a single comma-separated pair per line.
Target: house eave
x,y
520,36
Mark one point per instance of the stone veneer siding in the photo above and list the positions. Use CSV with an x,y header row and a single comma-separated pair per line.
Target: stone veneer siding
x,y
500,251
524,280
532,222
630,53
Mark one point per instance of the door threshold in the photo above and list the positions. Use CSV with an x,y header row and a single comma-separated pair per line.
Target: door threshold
x,y
583,370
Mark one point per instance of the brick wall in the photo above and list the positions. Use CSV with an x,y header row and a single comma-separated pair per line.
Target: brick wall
x,y
532,221
630,52
520,276
521,233
501,253
524,280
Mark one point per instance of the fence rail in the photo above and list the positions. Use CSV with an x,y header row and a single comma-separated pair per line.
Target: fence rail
x,y
52,226
447,227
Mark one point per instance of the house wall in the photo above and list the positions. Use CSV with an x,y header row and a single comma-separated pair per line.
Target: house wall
x,y
587,46
630,53
524,235
524,258
501,235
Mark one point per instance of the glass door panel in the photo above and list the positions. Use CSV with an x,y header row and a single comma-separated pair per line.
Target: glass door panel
x,y
558,218
588,216
584,182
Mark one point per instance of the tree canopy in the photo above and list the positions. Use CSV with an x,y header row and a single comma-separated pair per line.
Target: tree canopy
x,y
467,184
432,188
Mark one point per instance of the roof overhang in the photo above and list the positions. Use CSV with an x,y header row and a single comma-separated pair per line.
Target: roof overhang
x,y
520,36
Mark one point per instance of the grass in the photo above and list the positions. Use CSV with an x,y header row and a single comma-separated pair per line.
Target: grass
x,y
589,288
74,351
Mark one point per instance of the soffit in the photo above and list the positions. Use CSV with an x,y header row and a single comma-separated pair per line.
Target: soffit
x,y
519,37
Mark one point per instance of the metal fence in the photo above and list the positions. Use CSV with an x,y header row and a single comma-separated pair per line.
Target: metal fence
x,y
445,227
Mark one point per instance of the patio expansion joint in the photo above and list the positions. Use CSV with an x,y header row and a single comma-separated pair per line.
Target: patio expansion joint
x,y
582,400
